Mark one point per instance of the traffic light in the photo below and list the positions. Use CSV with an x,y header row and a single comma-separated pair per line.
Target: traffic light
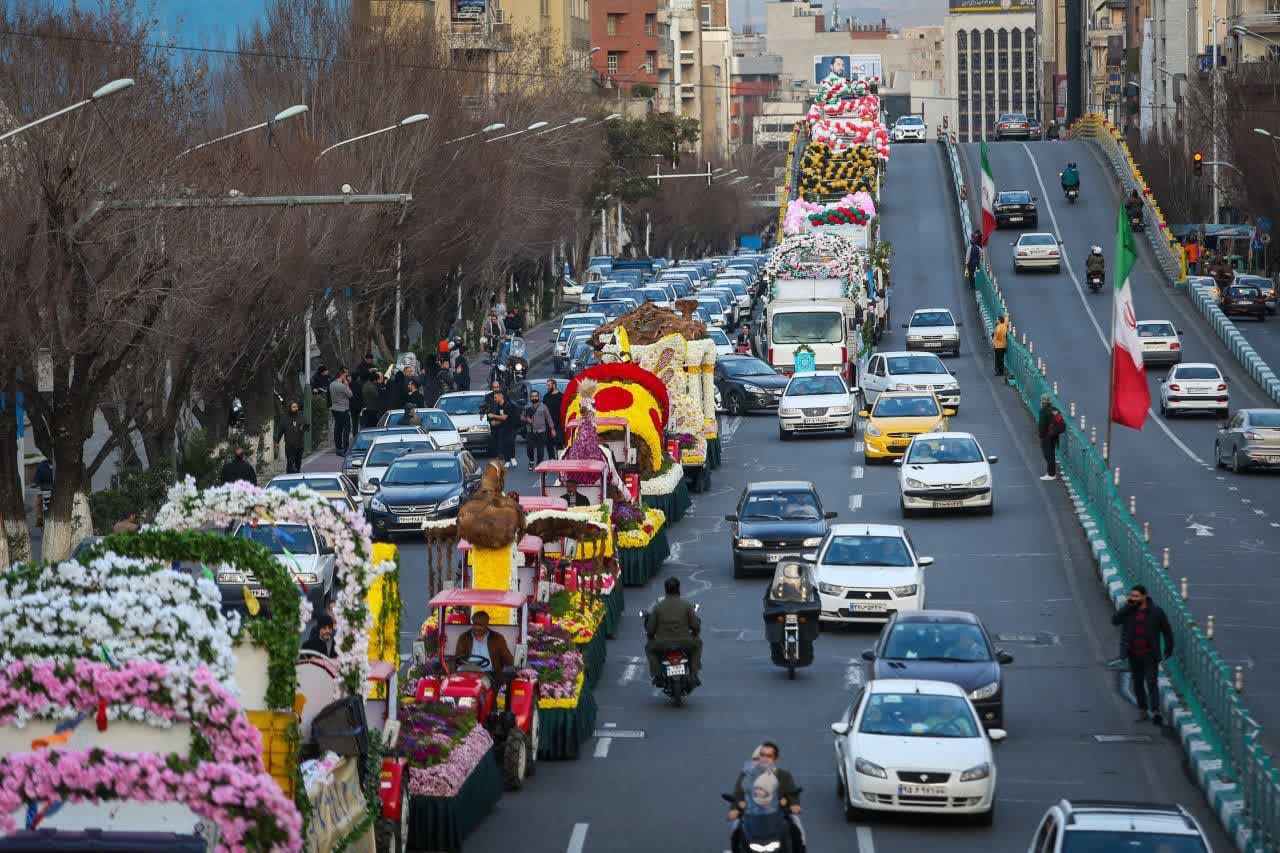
x,y
1197,160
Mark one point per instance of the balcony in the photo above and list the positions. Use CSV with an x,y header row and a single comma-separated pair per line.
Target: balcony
x,y
664,61
664,16
1261,22
482,34
688,90
686,57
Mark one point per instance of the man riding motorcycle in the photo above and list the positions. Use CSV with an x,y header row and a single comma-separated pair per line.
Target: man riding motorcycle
x,y
1095,264
765,760
743,342
673,624
1071,177
1133,205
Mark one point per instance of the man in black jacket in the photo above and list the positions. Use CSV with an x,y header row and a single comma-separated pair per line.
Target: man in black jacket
x,y
293,429
553,399
1049,428
973,258
1146,640
239,468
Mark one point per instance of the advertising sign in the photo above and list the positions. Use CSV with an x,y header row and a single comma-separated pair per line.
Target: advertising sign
x,y
992,5
848,66
468,10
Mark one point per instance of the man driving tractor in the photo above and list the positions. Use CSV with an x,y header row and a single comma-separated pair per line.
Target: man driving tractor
x,y
482,643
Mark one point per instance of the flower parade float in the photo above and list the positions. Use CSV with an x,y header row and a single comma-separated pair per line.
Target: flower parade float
x,y
153,597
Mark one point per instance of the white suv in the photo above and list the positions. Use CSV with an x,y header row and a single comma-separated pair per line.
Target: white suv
x,y
1117,825
867,571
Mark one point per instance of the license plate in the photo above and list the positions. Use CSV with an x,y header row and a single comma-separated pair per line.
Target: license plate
x,y
1272,458
776,558
948,504
1015,218
933,344
792,619
411,519
676,669
869,607
899,443
259,593
815,420
921,791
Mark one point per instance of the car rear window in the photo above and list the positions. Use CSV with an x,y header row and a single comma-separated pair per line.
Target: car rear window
x,y
1015,198
1037,240
1095,841
1244,290
1196,373
1155,330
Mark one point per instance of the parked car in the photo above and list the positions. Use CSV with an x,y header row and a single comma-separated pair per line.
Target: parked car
x,y
421,486
747,384
1192,387
1117,825
1161,343
775,520
1016,207
1250,439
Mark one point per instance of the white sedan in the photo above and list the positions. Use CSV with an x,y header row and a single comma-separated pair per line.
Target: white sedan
x,y
915,746
1194,387
945,470
1038,251
866,572
908,127
815,402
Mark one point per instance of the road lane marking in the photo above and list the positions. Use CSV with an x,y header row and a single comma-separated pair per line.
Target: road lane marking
x,y
853,673
858,446
602,747
855,502
629,673
856,472
1106,341
865,844
731,429
578,838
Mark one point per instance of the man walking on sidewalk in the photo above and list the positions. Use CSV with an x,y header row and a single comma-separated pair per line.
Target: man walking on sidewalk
x,y
1146,639
973,258
540,429
293,430
1050,428
371,392
340,408
1000,342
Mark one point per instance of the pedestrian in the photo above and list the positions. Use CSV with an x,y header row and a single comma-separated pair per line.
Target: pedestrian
x,y
1000,342
444,376
491,334
239,468
973,258
539,430
399,389
128,522
1193,256
1050,428
503,418
414,397
293,429
320,382
1146,639
44,487
358,381
462,370
553,399
431,389
371,401
410,417
367,368
340,409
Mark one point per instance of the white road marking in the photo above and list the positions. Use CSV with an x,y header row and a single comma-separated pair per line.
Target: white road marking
x,y
1275,524
675,551
727,435
858,446
856,472
1200,529
1106,341
602,747
853,673
628,674
865,844
578,838
855,502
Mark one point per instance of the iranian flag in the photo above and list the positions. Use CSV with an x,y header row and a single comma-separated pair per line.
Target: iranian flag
x,y
988,195
1130,398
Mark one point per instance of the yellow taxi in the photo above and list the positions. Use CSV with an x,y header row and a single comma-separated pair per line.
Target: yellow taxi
x,y
896,418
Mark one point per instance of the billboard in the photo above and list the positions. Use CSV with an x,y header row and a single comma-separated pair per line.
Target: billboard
x,y
992,5
848,66
468,9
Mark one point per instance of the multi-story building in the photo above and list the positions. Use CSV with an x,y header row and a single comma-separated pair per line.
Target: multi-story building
x,y
627,33
714,80
755,75
1103,71
680,88
772,128
991,64
563,25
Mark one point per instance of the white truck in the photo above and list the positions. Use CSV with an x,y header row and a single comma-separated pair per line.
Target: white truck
x,y
820,325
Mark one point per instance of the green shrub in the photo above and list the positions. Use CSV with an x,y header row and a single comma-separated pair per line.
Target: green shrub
x,y
643,90
137,489
320,420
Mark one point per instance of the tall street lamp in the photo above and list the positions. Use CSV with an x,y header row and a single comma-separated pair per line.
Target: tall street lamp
x,y
491,128
99,94
609,117
404,122
537,125
269,124
570,123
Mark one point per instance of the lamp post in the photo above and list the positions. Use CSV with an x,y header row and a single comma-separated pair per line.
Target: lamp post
x,y
537,125
644,66
491,128
570,123
609,117
404,122
99,94
269,124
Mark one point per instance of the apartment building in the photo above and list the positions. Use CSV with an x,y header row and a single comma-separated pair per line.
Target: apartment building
x,y
755,76
564,27
628,35
991,64
716,68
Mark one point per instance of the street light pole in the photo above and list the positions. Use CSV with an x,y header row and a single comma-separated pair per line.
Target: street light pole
x,y
270,123
404,122
537,125
98,94
1213,104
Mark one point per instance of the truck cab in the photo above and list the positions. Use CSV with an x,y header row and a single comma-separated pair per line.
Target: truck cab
x,y
820,326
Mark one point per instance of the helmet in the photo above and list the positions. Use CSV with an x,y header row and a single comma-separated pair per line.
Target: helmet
x,y
1071,165
1097,250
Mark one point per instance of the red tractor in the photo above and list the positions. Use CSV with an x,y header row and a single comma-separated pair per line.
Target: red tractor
x,y
506,706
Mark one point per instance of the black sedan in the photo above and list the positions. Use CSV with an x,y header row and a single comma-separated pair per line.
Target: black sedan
x,y
776,520
1016,208
746,383
1244,300
943,645
421,486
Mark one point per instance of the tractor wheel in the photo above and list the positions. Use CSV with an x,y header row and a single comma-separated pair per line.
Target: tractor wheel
x,y
515,760
392,837
532,766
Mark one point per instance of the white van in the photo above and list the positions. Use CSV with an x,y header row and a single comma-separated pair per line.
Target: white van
x,y
819,325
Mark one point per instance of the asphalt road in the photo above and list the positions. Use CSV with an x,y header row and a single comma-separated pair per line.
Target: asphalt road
x,y
1223,530
1025,572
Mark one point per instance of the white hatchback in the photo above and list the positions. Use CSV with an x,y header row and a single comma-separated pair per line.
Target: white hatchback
x,y
815,402
867,571
945,470
914,746
1038,251
1194,387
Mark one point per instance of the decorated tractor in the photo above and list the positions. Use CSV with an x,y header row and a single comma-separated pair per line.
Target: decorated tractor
x,y
504,699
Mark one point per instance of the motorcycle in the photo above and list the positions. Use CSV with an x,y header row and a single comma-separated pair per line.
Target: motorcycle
x,y
765,824
237,418
676,673
1136,222
791,611
1072,193
1095,280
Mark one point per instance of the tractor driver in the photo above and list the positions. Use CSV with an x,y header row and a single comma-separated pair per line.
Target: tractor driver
x,y
482,643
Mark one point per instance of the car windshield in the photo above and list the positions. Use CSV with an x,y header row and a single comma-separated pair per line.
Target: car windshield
x,y
1037,240
911,120
590,288
902,365
612,308
1015,198
581,320
918,406
932,318
747,367
867,550
433,421
781,506
812,386
655,294
468,405
278,538
1249,291
950,642
320,484
422,472
384,453
1128,841
718,337
366,436
738,288
1155,330
826,327
918,715
929,451
1266,420
1196,373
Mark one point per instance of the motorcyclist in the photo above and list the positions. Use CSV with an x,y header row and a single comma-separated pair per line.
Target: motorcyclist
x,y
764,762
744,336
673,623
1133,205
1222,271
1095,264
1071,177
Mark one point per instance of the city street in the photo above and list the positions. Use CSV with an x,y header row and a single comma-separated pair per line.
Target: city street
x,y
655,785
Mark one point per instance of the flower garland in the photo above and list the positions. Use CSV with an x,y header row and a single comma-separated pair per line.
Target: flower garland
x,y
554,662
442,744
642,533
665,482
857,207
801,256
117,608
566,702
348,533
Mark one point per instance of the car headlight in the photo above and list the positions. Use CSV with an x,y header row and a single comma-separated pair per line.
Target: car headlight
x,y
869,768
478,428
980,481
840,410
377,505
871,429
307,578
898,386
450,503
752,389
830,588
230,577
812,542
940,427
788,412
973,774
914,336
986,691
750,543
903,591
916,484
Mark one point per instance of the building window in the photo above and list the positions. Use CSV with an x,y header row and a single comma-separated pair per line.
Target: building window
x,y
651,59
706,14
544,6
650,22
612,23
612,62
962,40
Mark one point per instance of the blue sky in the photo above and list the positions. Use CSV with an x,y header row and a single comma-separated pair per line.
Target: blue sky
x,y
212,23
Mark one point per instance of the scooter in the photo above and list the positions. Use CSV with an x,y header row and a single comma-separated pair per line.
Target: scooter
x,y
676,678
772,832
1096,280
1136,222
1072,193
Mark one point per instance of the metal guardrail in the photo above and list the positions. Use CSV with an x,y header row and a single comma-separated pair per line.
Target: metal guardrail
x,y
1197,671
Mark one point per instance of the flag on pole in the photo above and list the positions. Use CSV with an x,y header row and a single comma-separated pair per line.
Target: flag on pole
x,y
988,195
1130,397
